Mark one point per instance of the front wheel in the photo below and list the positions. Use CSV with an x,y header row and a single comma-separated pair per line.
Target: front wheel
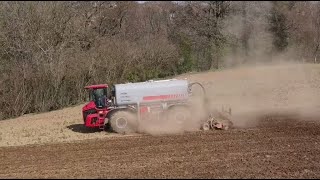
x,y
123,122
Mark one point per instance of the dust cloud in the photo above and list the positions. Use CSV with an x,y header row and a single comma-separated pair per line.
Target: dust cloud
x,y
284,88
177,119
174,121
257,81
252,92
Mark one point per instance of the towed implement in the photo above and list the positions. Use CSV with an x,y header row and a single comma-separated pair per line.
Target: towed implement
x,y
122,107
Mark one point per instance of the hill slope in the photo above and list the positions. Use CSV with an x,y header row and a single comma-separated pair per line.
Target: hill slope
x,y
249,91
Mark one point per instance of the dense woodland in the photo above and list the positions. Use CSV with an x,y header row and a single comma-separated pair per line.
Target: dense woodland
x,y
50,50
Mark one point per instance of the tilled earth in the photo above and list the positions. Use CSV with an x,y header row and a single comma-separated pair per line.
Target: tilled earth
x,y
279,147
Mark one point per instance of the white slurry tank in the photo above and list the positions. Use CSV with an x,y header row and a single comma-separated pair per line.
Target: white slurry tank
x,y
151,91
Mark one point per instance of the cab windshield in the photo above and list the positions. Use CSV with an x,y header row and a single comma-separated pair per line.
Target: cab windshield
x,y
99,97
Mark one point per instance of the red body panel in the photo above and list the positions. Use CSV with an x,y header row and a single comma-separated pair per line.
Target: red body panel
x,y
88,106
163,97
98,86
96,119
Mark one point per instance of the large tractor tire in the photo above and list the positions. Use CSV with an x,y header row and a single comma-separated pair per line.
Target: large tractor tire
x,y
181,117
123,122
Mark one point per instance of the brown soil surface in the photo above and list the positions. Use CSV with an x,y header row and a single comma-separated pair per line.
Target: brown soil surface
x,y
279,147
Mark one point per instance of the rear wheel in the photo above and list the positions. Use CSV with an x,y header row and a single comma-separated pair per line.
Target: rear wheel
x,y
123,122
180,116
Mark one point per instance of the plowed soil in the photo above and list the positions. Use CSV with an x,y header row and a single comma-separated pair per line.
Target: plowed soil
x,y
276,135
280,147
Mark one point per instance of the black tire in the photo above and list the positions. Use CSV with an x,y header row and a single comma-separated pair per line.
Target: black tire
x,y
123,122
180,116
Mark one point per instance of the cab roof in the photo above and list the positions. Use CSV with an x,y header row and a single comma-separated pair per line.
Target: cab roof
x,y
97,86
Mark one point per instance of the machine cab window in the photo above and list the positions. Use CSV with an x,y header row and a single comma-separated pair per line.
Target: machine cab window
x,y
99,96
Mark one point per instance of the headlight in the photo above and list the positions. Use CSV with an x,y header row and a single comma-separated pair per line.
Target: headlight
x,y
100,112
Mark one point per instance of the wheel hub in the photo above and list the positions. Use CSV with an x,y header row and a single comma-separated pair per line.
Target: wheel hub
x,y
121,122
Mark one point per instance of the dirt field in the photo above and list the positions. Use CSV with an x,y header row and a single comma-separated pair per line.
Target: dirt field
x,y
280,147
276,112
